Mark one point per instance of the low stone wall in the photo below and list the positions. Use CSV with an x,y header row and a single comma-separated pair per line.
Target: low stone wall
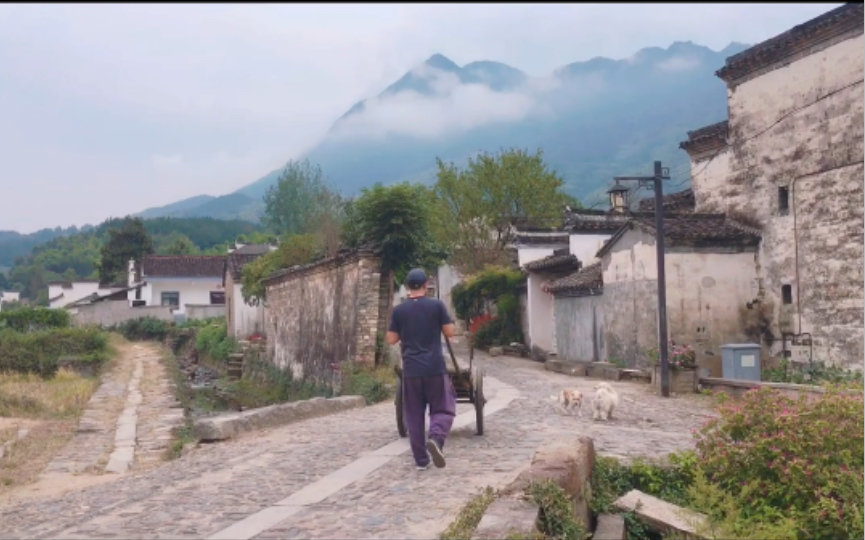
x,y
111,312
737,388
596,370
204,311
231,425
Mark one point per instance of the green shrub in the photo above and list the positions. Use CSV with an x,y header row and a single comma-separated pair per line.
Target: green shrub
x,y
373,384
28,319
214,342
812,373
39,352
145,329
556,511
778,458
265,384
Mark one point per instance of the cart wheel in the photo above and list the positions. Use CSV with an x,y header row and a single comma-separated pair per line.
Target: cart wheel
x,y
479,399
400,422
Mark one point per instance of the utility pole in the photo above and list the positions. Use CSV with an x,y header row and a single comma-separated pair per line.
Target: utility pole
x,y
655,182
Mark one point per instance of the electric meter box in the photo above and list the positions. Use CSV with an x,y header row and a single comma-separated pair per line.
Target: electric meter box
x,y
741,361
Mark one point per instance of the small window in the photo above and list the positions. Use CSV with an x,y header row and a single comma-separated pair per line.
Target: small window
x,y
217,298
171,299
786,294
783,200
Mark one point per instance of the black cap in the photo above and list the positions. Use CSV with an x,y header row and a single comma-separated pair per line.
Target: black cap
x,y
416,279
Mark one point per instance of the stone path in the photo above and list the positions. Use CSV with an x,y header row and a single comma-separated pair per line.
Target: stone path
x,y
349,475
127,422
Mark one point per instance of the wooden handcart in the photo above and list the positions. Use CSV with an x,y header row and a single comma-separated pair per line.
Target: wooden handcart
x,y
468,383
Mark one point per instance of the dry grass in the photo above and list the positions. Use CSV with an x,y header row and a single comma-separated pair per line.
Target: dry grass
x,y
48,410
29,396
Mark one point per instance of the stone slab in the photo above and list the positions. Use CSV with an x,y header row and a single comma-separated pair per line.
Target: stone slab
x,y
661,516
610,527
507,517
231,425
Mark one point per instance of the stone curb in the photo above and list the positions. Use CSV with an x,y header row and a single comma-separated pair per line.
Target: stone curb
x,y
231,425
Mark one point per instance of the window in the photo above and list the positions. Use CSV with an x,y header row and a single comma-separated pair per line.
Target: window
x,y
783,200
787,294
217,297
171,299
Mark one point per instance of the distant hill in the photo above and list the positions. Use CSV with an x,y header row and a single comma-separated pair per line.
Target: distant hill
x,y
593,119
14,244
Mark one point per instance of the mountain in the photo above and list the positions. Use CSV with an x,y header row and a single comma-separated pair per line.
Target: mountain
x,y
593,119
232,206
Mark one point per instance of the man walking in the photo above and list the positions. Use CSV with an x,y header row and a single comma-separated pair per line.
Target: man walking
x,y
417,324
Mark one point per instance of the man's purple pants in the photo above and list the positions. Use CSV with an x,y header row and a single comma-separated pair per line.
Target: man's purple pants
x,y
438,393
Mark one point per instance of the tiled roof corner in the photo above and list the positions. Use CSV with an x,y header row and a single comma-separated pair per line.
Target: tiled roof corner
x,y
849,17
707,138
553,262
681,201
587,281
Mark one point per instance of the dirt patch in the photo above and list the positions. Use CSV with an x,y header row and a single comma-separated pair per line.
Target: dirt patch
x,y
23,459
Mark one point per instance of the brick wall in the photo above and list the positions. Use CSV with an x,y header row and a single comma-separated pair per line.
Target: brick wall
x,y
323,313
111,312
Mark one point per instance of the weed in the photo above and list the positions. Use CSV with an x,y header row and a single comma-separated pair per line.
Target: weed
x,y
556,512
469,516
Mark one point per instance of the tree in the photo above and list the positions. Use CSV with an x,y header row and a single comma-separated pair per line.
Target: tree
x,y
483,204
297,249
398,221
179,244
130,241
301,202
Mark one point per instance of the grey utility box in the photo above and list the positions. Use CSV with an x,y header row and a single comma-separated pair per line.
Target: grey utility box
x,y
741,361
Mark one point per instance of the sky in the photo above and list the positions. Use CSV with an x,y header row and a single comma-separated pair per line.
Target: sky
x,y
106,110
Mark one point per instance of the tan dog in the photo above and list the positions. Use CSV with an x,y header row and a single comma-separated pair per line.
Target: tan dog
x,y
605,402
570,400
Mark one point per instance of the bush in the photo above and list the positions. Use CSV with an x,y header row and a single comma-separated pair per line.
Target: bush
x,y
372,384
773,458
145,329
39,352
29,319
811,373
213,341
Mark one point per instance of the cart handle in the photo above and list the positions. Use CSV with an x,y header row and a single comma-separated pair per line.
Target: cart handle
x,y
451,351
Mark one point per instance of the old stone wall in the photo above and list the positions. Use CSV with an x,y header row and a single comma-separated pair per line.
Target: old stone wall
x,y
204,311
323,314
111,312
795,168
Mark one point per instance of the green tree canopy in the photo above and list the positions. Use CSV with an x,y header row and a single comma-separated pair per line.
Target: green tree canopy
x,y
131,241
302,202
296,249
484,202
178,244
399,221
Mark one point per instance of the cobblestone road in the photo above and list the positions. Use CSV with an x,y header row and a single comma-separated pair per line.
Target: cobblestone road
x,y
348,475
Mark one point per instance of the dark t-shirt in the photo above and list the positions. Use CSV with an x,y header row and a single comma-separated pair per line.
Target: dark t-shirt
x,y
419,321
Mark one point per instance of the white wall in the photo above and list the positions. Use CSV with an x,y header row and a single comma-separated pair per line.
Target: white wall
x,y
541,314
192,290
77,291
247,319
585,246
526,255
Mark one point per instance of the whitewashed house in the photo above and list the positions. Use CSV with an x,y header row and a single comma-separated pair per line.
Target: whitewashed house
x,y
62,293
9,297
190,284
242,319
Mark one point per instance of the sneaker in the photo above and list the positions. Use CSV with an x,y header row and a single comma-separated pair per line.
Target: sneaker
x,y
436,453
423,467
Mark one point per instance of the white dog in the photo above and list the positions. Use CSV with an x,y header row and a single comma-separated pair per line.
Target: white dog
x,y
569,400
605,401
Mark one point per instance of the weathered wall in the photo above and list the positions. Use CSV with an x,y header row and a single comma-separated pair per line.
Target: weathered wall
x,y
323,314
540,313
111,312
204,311
580,328
816,152
707,291
242,319
585,246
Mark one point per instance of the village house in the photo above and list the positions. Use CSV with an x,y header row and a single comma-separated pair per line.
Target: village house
x,y
789,160
242,319
191,285
63,293
548,254
7,297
